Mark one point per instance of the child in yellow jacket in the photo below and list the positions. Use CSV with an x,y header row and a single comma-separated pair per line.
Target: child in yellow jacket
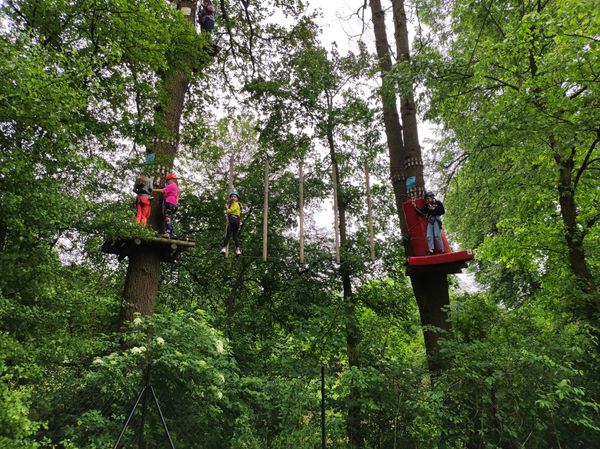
x,y
234,212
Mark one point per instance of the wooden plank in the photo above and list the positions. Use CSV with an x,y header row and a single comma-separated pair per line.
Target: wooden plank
x,y
169,249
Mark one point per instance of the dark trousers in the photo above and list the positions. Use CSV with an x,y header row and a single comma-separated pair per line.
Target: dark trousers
x,y
233,228
170,210
207,23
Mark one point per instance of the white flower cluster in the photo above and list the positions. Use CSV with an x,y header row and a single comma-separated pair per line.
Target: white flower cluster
x,y
219,346
138,350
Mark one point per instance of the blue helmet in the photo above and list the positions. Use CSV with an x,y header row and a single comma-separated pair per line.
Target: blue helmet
x,y
234,193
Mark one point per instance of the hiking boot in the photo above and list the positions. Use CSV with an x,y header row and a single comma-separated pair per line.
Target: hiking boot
x,y
238,252
224,250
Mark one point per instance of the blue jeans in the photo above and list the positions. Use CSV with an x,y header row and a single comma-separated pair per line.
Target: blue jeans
x,y
434,232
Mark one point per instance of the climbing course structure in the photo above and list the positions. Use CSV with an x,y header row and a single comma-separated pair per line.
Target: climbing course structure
x,y
420,261
146,254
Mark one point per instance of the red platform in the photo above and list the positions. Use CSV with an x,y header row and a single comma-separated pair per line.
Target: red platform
x,y
448,261
445,258
417,228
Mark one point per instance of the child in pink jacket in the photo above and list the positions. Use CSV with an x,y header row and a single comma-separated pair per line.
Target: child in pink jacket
x,y
170,200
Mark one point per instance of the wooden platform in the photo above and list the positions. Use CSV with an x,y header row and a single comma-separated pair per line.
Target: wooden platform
x,y
452,262
169,249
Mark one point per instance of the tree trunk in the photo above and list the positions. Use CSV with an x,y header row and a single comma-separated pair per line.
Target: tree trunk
x,y
141,282
266,212
143,271
413,163
369,212
301,209
430,289
431,292
167,119
353,424
573,235
391,120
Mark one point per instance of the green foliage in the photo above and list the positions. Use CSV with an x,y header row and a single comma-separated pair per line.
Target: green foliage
x,y
17,428
515,93
234,346
189,365
515,379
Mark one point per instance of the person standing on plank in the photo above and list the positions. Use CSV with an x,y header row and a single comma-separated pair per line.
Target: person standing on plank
x,y
143,189
234,211
170,201
432,211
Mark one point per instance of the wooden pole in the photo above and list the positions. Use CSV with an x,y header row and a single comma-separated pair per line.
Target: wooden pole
x,y
230,187
301,210
266,211
323,434
231,171
369,211
335,215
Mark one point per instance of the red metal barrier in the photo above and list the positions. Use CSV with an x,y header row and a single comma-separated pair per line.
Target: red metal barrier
x,y
417,228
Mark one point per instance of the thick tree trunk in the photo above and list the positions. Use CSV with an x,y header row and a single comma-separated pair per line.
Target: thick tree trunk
x,y
141,282
353,338
431,292
430,289
168,116
573,234
413,163
391,120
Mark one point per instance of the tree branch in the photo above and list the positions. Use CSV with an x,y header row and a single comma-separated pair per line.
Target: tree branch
x,y
586,161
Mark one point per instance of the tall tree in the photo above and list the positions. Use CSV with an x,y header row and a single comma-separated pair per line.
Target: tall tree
x,y
431,288
143,270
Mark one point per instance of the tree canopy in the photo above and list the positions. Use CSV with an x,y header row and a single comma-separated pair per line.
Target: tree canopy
x,y
233,348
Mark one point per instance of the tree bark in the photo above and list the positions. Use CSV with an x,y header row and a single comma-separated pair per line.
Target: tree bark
x,y
413,162
168,115
301,209
266,212
141,282
391,120
431,293
573,235
369,212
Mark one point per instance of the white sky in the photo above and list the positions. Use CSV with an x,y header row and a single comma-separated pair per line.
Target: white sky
x,y
340,25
